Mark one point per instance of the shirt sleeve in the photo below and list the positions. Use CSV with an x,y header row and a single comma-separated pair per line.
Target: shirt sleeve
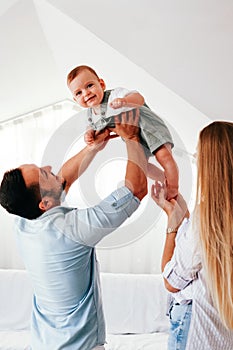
x,y
118,92
182,269
92,224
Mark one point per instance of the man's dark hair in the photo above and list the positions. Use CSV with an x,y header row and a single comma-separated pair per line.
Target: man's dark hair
x,y
16,198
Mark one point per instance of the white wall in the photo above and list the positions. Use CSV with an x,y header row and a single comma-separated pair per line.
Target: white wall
x,y
66,49
135,247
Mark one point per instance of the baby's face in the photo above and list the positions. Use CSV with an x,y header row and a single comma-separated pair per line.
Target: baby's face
x,y
87,89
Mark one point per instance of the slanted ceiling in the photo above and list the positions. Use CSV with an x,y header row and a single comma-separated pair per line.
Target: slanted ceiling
x,y
186,46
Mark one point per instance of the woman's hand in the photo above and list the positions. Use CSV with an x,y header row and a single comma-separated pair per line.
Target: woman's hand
x,y
176,209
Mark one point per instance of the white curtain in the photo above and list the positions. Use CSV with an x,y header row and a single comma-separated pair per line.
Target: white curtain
x,y
53,134
25,139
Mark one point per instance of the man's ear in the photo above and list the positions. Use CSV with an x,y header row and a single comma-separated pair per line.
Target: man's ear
x,y
102,83
46,203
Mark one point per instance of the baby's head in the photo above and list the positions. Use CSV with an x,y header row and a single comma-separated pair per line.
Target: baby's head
x,y
86,87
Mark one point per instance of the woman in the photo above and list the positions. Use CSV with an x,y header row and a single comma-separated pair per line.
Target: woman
x,y
197,261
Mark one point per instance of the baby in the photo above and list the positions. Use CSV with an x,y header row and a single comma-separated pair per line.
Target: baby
x,y
102,105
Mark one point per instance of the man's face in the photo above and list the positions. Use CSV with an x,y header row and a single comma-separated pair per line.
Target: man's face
x,y
48,182
87,89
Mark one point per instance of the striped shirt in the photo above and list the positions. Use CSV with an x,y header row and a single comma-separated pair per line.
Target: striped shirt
x,y
185,272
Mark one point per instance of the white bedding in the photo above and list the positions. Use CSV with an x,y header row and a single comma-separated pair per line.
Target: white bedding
x,y
154,341
15,300
14,340
134,305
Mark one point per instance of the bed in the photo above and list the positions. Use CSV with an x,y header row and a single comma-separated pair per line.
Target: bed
x,y
134,306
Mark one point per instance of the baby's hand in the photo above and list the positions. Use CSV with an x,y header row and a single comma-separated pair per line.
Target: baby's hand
x,y
89,136
117,103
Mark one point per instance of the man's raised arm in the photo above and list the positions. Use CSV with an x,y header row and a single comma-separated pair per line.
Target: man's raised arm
x,y
73,168
127,128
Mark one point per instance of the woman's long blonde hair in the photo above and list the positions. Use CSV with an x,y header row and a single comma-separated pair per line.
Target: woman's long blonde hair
x,y
215,210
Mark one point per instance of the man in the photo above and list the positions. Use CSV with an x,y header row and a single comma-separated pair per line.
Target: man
x,y
57,243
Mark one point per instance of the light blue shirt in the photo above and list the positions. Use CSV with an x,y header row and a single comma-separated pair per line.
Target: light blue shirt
x,y
58,252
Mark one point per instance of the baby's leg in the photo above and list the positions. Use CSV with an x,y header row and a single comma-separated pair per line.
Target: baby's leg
x,y
171,172
154,173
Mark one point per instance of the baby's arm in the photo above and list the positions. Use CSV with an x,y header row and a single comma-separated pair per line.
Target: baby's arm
x,y
133,99
165,158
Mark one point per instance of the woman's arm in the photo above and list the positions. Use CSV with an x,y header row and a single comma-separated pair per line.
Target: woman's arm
x,y
177,259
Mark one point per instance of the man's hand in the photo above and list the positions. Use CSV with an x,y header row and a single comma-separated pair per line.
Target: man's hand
x,y
176,209
89,136
95,139
126,125
100,140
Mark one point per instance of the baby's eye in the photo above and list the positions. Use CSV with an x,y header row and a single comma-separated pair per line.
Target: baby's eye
x,y
78,93
90,85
